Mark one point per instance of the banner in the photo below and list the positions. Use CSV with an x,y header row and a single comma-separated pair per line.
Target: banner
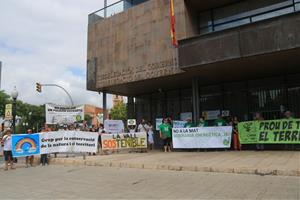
x,y
124,141
185,116
64,114
270,132
211,114
54,142
131,122
25,145
8,111
114,126
179,124
158,122
202,137
68,141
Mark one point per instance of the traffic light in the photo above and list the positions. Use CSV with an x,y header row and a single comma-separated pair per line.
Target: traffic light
x,y
38,87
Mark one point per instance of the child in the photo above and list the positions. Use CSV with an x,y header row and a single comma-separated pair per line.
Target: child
x,y
8,149
150,136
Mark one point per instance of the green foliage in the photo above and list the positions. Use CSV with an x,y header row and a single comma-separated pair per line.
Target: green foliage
x,y
31,114
4,99
88,119
119,112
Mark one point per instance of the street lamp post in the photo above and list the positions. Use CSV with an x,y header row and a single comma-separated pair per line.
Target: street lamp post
x,y
14,96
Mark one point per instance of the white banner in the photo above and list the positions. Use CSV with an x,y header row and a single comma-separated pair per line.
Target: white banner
x,y
158,122
179,124
202,137
114,126
211,114
68,141
186,116
124,141
56,114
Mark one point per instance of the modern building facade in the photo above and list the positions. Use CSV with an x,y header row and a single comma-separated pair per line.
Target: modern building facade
x,y
235,57
95,113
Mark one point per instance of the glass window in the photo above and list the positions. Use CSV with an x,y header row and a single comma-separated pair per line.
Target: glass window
x,y
244,12
273,14
297,6
115,9
158,105
232,24
143,108
186,101
173,104
211,98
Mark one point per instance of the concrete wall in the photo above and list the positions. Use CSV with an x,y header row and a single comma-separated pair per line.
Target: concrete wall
x,y
269,36
135,45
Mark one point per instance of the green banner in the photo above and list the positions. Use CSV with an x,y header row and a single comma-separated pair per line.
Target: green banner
x,y
270,132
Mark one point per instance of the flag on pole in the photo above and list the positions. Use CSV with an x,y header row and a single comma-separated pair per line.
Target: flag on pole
x,y
173,32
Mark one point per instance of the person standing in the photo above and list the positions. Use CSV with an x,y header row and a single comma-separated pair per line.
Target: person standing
x,y
288,115
166,134
220,121
150,136
29,159
8,157
189,123
236,140
44,157
202,122
258,117
143,127
84,126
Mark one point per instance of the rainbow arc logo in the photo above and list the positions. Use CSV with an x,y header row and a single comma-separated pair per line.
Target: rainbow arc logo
x,y
26,144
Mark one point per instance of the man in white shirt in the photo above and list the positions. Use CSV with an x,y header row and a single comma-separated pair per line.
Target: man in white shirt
x,y
143,127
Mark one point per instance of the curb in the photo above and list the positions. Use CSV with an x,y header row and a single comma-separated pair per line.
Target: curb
x,y
114,164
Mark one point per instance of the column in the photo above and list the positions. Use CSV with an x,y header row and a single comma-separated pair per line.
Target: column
x,y
130,106
104,106
195,99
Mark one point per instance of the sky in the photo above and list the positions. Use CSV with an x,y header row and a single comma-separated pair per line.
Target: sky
x,y
46,41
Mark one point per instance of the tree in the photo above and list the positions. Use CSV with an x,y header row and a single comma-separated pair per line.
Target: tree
x,y
4,99
32,114
119,112
88,119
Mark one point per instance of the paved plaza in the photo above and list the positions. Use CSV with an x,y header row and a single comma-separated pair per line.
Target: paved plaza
x,y
59,182
282,163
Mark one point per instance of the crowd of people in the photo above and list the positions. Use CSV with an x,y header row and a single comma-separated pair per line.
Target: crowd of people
x,y
6,143
165,129
164,134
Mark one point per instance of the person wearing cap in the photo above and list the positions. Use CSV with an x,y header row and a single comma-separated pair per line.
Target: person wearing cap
x,y
8,157
29,159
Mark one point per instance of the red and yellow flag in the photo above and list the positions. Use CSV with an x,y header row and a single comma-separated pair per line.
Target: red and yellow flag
x,y
173,32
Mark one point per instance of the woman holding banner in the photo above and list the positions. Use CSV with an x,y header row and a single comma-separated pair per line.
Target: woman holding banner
x,y
44,157
236,140
29,159
258,117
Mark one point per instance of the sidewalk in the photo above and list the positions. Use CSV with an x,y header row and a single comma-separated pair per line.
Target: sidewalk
x,y
282,163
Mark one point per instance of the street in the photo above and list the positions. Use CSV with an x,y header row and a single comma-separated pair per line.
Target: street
x,y
113,183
